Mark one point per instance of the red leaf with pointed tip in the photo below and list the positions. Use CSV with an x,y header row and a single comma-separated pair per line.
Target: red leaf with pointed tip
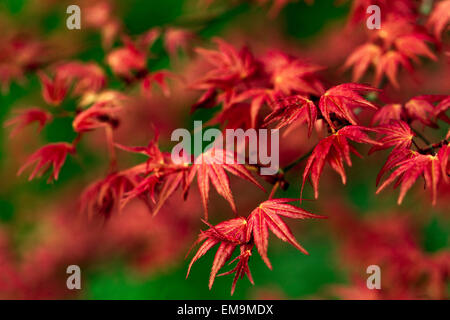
x,y
212,166
395,157
293,76
103,197
53,154
387,113
97,116
53,90
266,217
292,109
389,64
158,77
26,117
421,108
241,269
230,66
362,58
229,234
88,77
335,150
342,99
397,134
431,167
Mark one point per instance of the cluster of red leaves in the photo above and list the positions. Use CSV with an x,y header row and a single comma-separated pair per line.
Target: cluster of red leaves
x,y
396,45
248,232
244,84
430,161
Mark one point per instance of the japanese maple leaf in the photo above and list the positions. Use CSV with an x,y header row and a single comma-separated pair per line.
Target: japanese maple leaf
x,y
335,150
433,168
290,75
53,90
414,45
87,76
439,18
396,156
212,166
228,234
397,134
160,176
363,56
103,196
421,108
241,269
27,116
389,64
292,109
97,116
159,186
389,112
267,217
230,65
53,154
342,99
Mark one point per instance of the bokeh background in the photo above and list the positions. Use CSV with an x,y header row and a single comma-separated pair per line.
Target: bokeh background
x,y
134,256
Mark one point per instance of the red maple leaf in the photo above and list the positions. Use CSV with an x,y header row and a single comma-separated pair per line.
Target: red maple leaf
x,y
335,149
27,116
266,217
342,99
293,109
395,157
397,134
97,116
389,112
158,77
53,90
88,77
290,75
53,154
228,235
257,98
230,66
159,176
212,166
389,64
246,233
241,269
363,56
421,108
103,196
433,168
